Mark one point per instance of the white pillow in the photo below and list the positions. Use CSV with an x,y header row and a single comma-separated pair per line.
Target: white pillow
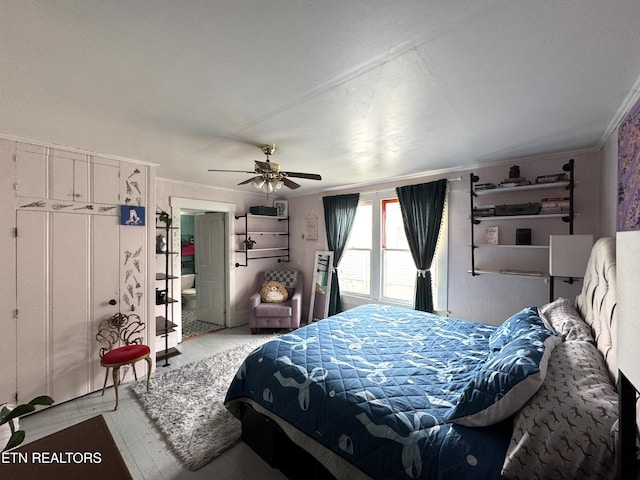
x,y
564,319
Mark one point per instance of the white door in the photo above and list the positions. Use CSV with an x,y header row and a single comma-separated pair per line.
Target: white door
x,y
33,325
67,271
105,260
210,267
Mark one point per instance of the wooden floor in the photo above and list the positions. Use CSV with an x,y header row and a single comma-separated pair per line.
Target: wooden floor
x,y
143,448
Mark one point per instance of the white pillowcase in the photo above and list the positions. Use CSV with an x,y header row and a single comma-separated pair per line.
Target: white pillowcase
x,y
561,317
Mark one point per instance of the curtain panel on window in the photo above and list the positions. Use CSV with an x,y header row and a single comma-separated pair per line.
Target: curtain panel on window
x,y
339,212
422,207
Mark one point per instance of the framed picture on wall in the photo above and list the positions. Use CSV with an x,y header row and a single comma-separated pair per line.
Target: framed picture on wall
x,y
628,211
132,215
491,235
311,226
282,208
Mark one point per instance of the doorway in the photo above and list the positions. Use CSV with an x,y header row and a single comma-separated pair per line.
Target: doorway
x,y
205,265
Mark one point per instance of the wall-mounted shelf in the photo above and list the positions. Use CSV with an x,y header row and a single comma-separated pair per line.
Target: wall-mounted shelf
x,y
517,273
524,247
539,216
486,213
523,188
165,328
271,243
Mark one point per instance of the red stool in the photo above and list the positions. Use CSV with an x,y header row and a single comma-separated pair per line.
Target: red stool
x,y
120,329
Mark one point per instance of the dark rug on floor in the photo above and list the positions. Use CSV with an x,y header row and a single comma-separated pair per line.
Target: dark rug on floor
x,y
84,450
192,327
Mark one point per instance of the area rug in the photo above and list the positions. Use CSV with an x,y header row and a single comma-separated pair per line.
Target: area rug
x,y
84,450
187,406
192,327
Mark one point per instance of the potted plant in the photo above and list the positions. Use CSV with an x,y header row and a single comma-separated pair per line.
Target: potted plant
x,y
9,420
165,218
249,243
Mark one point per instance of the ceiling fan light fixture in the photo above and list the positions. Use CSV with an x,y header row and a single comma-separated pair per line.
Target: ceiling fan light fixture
x,y
258,182
267,187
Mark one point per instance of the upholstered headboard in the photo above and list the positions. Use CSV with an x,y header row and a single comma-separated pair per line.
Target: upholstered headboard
x,y
597,300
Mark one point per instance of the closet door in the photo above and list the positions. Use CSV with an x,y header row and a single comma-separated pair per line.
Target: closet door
x,y
67,273
105,273
70,176
34,319
70,305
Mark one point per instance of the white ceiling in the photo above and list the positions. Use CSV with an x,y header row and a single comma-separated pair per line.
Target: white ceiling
x,y
355,90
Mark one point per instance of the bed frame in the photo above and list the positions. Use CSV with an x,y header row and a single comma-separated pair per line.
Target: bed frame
x,y
628,428
268,440
597,304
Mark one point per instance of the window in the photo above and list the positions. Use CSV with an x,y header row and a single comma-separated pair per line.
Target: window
x,y
399,270
377,264
355,264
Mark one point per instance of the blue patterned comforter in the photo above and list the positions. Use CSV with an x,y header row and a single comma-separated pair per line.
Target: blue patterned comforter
x,y
376,385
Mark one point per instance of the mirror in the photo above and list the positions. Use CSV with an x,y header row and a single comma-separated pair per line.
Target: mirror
x,y
321,286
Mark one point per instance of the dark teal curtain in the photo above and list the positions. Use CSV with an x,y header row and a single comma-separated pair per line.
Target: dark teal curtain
x,y
422,206
339,212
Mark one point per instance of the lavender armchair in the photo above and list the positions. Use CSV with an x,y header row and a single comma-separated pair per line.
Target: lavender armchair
x,y
277,315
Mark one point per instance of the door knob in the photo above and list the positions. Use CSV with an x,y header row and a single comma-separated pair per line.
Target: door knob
x,y
113,301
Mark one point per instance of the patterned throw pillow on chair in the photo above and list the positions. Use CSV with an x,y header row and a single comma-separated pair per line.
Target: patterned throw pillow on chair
x,y
273,292
288,277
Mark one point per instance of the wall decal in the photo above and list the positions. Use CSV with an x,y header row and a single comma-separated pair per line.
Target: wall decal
x,y
53,206
134,294
37,204
59,206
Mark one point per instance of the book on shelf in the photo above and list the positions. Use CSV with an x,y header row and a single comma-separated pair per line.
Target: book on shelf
x,y
529,273
484,186
563,200
551,178
484,211
555,205
514,182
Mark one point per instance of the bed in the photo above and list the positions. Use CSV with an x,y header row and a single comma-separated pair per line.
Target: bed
x,y
388,392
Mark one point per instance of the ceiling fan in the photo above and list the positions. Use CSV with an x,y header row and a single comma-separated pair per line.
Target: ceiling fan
x,y
269,177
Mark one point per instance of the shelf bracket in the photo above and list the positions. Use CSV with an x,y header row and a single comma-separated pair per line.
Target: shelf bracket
x,y
568,167
472,179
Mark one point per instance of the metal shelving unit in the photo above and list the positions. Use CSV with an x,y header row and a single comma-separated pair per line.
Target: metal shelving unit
x,y
567,217
164,326
281,252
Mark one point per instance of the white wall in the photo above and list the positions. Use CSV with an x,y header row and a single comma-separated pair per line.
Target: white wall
x,y
609,186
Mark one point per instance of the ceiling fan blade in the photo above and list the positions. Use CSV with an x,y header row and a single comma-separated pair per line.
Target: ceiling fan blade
x,y
267,166
309,176
231,171
290,183
249,180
